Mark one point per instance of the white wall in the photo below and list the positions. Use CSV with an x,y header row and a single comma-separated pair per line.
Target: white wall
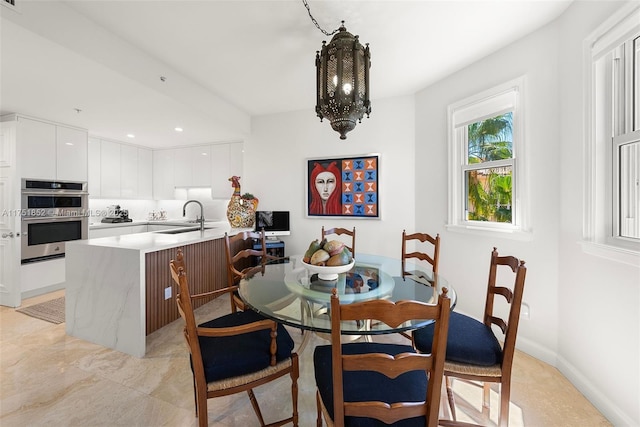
x,y
275,161
599,316
465,257
573,325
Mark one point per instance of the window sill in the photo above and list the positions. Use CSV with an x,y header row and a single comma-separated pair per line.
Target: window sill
x,y
613,253
513,234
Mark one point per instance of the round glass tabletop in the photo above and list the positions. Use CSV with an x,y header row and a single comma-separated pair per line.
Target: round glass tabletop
x,y
291,294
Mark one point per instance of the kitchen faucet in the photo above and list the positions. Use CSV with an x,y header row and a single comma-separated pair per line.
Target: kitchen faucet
x,y
201,220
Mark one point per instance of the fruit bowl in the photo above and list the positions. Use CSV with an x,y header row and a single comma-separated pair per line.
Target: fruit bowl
x,y
329,272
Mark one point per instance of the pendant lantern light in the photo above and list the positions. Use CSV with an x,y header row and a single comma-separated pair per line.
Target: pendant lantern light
x,y
342,81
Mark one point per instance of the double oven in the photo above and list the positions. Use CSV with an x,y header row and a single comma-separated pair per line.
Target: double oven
x,y
53,212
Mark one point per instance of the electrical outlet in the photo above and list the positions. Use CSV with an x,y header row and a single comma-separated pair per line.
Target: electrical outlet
x,y
167,292
524,311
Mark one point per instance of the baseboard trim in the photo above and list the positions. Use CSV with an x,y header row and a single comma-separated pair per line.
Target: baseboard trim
x,y
534,349
41,291
604,404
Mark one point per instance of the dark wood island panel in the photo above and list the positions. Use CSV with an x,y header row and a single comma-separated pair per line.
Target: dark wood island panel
x,y
206,265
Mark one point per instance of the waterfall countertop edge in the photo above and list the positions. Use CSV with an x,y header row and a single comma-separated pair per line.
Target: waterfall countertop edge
x,y
157,240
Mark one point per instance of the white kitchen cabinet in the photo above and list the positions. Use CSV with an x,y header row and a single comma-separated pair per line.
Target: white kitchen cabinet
x,y
71,154
128,171
110,169
145,173
163,182
192,166
50,151
182,167
47,150
94,167
201,166
36,149
226,161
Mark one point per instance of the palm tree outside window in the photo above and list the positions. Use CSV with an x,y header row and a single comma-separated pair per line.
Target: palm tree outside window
x,y
487,168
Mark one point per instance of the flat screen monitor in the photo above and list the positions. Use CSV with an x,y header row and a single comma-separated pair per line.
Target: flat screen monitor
x,y
275,223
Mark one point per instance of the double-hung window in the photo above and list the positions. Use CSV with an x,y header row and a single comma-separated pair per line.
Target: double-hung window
x,y
486,155
612,171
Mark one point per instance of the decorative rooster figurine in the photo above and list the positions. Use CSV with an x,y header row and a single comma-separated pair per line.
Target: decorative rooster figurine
x,y
241,212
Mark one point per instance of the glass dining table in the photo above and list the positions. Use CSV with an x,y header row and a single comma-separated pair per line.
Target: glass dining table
x,y
292,295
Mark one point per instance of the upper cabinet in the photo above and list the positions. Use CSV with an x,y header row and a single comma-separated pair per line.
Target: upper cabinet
x,y
163,183
114,170
201,161
128,171
36,149
119,170
71,154
109,169
51,151
208,166
94,167
226,161
192,166
145,173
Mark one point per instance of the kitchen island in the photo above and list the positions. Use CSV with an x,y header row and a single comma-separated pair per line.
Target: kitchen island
x,y
119,289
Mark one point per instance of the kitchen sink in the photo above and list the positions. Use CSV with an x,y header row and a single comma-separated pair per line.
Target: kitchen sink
x,y
182,230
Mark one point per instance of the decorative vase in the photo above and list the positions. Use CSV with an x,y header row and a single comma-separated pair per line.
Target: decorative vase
x,y
241,213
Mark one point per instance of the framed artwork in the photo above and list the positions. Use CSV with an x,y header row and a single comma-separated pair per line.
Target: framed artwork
x,y
344,187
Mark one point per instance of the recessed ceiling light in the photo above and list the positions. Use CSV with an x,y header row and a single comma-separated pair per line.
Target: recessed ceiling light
x,y
69,143
130,135
178,129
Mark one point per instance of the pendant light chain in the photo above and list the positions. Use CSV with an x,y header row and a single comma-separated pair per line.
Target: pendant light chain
x,y
326,33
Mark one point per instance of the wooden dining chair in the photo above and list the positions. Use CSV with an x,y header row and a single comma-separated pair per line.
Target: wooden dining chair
x,y
431,244
339,232
235,352
242,262
473,351
366,383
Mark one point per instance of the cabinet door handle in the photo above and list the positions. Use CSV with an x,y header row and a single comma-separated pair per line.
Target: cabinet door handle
x,y
5,235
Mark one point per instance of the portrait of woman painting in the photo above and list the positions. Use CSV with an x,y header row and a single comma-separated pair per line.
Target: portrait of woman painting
x,y
343,187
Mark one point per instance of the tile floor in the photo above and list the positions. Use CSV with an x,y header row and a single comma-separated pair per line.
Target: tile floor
x,y
50,379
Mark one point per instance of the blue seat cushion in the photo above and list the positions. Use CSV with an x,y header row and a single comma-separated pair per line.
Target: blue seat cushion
x,y
360,386
468,341
226,357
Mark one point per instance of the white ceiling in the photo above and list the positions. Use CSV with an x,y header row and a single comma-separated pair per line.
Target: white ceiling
x,y
226,61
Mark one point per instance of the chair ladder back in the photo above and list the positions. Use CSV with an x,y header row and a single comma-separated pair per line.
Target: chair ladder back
x,y
391,366
185,308
391,313
342,231
513,297
491,286
234,275
423,256
514,314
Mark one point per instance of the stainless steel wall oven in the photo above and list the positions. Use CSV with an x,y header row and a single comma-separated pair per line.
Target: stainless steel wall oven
x,y
53,212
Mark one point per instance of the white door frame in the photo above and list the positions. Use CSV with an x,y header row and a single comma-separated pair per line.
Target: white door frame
x,y
10,221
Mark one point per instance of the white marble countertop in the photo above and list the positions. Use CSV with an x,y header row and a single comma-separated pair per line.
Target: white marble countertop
x,y
157,240
177,222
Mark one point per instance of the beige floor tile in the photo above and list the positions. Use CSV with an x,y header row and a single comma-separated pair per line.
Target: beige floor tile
x,y
50,379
